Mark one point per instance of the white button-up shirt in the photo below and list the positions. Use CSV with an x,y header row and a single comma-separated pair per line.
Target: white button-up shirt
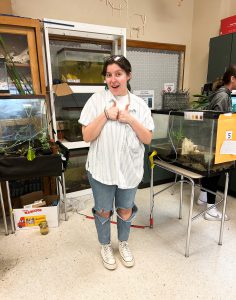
x,y
116,156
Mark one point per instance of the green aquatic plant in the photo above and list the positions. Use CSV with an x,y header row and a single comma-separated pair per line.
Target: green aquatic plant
x,y
21,83
201,103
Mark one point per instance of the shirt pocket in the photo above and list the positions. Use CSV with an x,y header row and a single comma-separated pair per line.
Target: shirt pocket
x,y
132,140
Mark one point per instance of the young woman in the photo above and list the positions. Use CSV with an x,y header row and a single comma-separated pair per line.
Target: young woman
x,y
117,124
220,100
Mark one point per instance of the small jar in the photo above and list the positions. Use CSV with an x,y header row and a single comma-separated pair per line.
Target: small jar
x,y
44,227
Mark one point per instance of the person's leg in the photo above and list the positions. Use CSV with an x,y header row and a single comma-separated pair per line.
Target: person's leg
x,y
126,211
103,209
211,183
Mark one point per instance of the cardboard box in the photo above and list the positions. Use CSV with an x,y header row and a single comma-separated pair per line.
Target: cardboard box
x,y
62,89
228,25
30,218
30,198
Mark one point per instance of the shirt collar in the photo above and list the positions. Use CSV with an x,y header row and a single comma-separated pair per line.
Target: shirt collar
x,y
111,98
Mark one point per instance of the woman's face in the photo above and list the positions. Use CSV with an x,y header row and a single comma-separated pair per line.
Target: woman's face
x,y
116,80
233,83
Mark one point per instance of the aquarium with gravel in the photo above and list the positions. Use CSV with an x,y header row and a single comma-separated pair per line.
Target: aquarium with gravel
x,y
188,139
23,125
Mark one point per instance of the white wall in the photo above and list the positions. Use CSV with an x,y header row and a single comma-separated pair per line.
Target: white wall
x,y
192,24
165,21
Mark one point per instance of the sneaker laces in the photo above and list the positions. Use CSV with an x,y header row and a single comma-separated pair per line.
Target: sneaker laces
x,y
108,252
126,250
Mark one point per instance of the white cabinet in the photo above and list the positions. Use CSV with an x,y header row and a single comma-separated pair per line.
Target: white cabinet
x,y
75,54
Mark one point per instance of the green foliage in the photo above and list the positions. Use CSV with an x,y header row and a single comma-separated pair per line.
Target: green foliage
x,y
21,83
177,136
31,154
2,151
201,103
44,140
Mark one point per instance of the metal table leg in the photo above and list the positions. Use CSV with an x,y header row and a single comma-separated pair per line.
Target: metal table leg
x,y
64,194
189,217
151,200
181,198
10,208
3,212
224,208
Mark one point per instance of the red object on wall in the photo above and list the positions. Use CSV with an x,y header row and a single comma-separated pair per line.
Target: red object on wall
x,y
228,25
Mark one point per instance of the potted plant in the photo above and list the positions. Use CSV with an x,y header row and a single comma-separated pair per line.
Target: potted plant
x,y
201,103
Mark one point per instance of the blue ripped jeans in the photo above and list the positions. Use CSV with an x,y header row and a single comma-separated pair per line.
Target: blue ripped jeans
x,y
104,196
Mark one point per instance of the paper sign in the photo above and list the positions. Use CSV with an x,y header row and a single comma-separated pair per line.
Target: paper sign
x,y
193,115
229,135
147,96
228,147
169,87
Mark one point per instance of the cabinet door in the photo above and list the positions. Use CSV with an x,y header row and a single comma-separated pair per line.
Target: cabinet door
x,y
20,40
219,56
233,50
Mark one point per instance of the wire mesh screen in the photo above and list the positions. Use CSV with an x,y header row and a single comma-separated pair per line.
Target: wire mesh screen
x,y
151,69
178,100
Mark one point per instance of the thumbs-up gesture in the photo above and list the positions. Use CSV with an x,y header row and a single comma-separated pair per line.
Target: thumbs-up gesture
x,y
124,115
113,112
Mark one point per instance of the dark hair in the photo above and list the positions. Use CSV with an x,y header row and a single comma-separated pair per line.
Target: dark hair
x,y
120,60
219,82
231,71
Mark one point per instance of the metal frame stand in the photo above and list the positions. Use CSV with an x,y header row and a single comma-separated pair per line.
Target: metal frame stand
x,y
3,212
187,177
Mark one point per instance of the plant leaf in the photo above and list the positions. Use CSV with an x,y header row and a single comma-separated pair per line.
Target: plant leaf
x,y
31,154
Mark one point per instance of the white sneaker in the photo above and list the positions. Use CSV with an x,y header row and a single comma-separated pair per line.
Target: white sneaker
x,y
214,215
126,254
108,257
202,199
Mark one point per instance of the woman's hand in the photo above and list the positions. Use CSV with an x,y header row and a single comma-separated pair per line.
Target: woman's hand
x,y
124,116
113,112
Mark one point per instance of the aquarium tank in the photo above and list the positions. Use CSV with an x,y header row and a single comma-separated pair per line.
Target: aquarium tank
x,y
23,123
188,139
81,66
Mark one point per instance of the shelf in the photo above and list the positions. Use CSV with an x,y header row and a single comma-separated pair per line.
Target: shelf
x,y
75,145
72,108
19,65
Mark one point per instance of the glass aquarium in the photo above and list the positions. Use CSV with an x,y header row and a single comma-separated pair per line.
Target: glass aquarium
x,y
3,77
23,122
76,178
188,139
81,65
68,109
14,49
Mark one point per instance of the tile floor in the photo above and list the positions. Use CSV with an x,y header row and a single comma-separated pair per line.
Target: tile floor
x,y
66,263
